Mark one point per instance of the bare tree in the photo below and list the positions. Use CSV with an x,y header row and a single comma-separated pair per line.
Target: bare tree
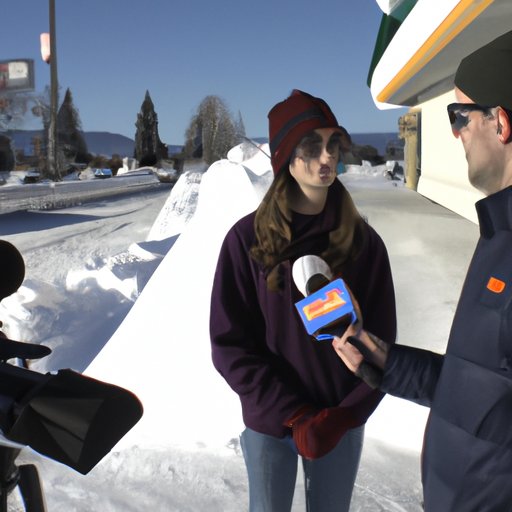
x,y
13,108
193,147
211,132
41,108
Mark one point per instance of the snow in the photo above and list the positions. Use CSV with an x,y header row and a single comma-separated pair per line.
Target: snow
x,y
138,317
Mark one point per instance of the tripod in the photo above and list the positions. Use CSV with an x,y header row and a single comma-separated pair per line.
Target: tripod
x,y
25,477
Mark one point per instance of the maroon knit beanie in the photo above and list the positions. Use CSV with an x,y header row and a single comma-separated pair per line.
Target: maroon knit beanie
x,y
290,120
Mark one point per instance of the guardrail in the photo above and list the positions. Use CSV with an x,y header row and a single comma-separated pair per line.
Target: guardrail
x,y
48,196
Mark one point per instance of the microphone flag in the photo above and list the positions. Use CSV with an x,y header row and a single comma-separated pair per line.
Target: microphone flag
x,y
328,311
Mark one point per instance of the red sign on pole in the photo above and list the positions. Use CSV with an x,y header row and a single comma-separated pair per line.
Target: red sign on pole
x,y
45,47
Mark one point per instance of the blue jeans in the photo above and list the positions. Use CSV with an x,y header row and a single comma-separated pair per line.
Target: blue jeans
x,y
272,470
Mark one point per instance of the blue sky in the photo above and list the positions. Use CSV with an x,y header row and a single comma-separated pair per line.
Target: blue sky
x,y
251,54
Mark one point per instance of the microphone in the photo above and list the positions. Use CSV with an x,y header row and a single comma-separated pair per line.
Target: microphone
x,y
310,273
12,269
327,309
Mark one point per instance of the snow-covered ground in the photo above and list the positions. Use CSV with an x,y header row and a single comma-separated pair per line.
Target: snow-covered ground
x,y
138,317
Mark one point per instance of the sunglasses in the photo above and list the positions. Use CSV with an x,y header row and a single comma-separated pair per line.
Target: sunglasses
x,y
459,114
311,146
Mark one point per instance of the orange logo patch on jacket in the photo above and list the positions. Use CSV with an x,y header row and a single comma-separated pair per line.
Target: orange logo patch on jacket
x,y
495,285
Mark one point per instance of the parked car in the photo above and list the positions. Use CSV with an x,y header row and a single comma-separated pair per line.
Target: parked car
x,y
32,176
167,175
103,173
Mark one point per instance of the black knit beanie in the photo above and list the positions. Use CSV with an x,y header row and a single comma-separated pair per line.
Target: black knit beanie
x,y
486,74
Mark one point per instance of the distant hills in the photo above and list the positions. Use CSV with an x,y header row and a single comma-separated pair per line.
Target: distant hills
x,y
98,143
108,144
378,140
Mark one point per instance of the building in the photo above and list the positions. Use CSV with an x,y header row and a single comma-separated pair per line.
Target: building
x,y
419,47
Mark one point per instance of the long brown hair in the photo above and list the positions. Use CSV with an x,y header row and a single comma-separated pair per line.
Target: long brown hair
x,y
272,226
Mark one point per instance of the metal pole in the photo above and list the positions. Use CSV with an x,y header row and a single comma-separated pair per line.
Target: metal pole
x,y
408,130
256,145
53,164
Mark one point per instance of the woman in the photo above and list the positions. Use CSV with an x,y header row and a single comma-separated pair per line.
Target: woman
x,y
297,397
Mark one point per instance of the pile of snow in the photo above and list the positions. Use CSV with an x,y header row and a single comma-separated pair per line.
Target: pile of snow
x,y
228,190
179,208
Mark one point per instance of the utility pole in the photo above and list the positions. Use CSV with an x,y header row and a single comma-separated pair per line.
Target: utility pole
x,y
53,161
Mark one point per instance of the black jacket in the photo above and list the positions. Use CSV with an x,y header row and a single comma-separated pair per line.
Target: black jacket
x,y
467,451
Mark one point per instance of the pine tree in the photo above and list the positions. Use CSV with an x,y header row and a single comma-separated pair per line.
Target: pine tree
x,y
7,160
149,149
70,138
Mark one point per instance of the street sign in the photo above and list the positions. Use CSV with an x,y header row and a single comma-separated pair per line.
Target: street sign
x,y
16,75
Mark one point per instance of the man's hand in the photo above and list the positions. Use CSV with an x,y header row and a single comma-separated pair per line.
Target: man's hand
x,y
349,354
364,354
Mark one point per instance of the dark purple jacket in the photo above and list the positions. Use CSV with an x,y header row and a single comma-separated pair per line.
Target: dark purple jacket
x,y
259,344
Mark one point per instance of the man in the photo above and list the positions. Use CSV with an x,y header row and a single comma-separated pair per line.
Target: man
x,y
467,450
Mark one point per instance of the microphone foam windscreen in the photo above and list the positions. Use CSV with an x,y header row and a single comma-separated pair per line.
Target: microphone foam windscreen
x,y
307,267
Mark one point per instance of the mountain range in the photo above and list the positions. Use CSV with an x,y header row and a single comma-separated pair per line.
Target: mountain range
x,y
98,143
108,144
377,140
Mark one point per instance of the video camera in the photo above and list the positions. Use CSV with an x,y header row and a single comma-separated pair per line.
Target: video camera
x,y
71,418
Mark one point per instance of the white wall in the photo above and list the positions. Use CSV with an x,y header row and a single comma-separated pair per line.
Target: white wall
x,y
443,163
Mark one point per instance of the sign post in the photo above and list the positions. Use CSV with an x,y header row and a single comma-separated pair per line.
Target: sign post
x,y
53,163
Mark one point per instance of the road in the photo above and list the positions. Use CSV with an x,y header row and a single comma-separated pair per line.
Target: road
x,y
48,195
55,241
